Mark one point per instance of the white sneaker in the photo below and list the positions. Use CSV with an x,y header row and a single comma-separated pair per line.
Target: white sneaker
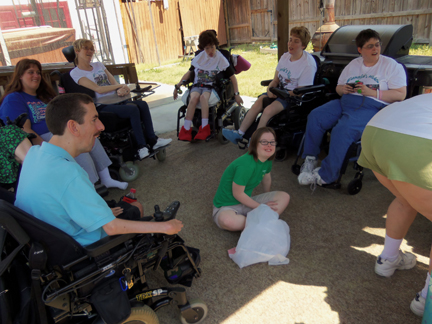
x,y
162,142
143,152
306,177
418,305
386,268
318,180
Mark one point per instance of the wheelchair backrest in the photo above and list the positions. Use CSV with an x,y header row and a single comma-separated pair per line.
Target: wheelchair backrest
x,y
71,86
61,248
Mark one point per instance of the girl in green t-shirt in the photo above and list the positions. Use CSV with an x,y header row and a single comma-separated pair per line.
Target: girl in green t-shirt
x,y
233,198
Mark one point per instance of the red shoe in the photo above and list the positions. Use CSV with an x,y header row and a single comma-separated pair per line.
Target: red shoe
x,y
203,133
185,135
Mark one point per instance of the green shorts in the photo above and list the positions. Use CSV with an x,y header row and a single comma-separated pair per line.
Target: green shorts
x,y
397,156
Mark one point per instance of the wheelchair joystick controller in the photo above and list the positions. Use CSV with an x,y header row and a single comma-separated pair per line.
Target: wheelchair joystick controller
x,y
158,215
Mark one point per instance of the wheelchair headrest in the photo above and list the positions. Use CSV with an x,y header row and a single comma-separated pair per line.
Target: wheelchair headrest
x,y
242,64
61,248
69,54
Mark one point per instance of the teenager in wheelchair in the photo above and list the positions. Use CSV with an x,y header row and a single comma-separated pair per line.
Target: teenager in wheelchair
x,y
212,87
129,133
295,70
79,265
366,85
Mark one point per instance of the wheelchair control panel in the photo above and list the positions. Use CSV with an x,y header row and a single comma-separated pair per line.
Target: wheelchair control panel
x,y
168,214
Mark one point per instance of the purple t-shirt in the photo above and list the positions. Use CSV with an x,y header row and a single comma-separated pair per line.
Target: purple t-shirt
x,y
17,103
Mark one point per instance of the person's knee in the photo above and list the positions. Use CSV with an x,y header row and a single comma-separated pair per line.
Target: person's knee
x,y
230,223
204,98
284,197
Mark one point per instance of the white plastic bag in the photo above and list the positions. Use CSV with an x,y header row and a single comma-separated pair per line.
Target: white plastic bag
x,y
265,238
213,100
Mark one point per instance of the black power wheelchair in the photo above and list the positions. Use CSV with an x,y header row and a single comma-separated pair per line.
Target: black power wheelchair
x,y
290,124
117,139
224,113
47,277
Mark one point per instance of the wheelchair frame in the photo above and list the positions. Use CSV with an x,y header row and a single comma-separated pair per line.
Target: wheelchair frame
x,y
66,285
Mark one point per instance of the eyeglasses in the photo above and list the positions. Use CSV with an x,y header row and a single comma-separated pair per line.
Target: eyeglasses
x,y
370,46
85,48
272,143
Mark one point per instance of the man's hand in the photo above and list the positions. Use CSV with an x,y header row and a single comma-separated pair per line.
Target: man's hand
x,y
173,226
117,211
273,205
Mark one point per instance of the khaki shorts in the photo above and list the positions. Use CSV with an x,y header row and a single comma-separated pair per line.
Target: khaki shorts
x,y
241,209
397,156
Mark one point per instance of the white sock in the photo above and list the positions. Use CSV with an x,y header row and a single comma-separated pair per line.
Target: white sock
x,y
426,287
204,122
108,182
187,124
241,132
391,248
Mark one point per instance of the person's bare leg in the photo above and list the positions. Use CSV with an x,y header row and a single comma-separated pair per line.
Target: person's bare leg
x,y
252,114
193,101
274,108
231,221
204,101
282,199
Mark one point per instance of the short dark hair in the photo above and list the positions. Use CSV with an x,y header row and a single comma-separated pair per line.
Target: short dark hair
x,y
365,35
253,145
63,108
207,37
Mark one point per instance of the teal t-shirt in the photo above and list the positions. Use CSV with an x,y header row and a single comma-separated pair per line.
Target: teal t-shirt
x,y
244,171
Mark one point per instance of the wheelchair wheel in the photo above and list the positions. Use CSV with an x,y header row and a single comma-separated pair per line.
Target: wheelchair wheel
x,y
355,186
161,155
125,176
202,310
221,138
238,116
144,315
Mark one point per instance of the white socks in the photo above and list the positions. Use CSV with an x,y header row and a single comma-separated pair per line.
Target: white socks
x,y
187,124
108,182
426,287
204,122
391,249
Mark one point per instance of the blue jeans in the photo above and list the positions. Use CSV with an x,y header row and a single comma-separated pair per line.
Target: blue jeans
x,y
137,112
348,117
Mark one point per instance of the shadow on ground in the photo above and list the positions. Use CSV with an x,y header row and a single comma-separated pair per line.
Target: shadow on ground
x,y
335,239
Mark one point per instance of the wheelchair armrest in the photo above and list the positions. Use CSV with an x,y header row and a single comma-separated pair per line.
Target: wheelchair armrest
x,y
265,83
312,88
282,94
106,244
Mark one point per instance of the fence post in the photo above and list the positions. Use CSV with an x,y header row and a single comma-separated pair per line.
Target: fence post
x,y
282,26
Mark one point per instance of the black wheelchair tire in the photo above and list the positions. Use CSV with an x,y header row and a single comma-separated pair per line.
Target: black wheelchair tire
x,y
129,177
355,186
295,168
202,310
161,155
238,116
144,315
114,173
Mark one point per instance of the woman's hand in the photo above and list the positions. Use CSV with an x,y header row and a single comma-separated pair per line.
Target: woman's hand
x,y
347,89
270,94
239,100
364,90
124,90
175,93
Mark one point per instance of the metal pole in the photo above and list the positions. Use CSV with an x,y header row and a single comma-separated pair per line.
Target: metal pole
x,y
135,30
4,49
125,56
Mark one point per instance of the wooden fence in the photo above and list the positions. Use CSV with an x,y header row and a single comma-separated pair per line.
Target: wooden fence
x,y
251,20
155,35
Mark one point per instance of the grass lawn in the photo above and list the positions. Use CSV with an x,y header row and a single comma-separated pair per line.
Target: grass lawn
x,y
263,68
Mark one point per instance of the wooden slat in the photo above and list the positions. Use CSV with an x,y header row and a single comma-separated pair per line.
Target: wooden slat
x,y
240,26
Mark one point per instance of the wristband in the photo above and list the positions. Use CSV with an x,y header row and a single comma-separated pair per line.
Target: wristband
x,y
378,94
236,93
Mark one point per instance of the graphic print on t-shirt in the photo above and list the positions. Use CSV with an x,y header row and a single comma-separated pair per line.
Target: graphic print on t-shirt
x,y
38,110
101,79
207,77
370,81
286,81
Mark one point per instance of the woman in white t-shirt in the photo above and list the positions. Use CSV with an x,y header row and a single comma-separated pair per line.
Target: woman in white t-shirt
x,y
96,77
295,69
208,65
366,85
396,145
